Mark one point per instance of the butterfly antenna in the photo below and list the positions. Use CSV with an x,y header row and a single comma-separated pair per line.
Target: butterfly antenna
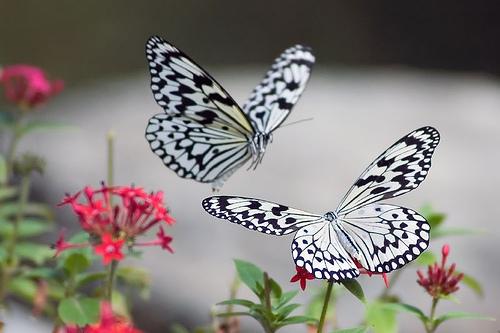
x,y
296,122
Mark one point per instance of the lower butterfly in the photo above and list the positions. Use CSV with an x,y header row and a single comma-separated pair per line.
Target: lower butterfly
x,y
203,133
380,237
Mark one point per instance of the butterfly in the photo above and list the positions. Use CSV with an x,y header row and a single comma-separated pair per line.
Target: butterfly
x,y
380,237
203,134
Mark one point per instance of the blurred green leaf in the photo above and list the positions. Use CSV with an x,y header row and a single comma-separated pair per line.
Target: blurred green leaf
x,y
381,319
286,297
7,192
6,119
360,329
251,275
355,288
177,328
425,259
284,311
37,253
450,231
43,126
275,289
10,209
76,263
473,284
401,307
79,311
27,228
85,278
461,315
434,218
316,303
22,287
297,320
120,305
135,277
3,170
238,301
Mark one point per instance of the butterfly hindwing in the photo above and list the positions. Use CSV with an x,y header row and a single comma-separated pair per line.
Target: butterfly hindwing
x,y
259,215
317,248
398,170
272,100
387,237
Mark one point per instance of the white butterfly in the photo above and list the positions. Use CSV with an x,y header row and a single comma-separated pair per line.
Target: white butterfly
x,y
381,237
203,134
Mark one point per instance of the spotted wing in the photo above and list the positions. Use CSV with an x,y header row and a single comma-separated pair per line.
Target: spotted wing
x,y
272,100
318,249
400,169
386,237
194,150
181,87
259,215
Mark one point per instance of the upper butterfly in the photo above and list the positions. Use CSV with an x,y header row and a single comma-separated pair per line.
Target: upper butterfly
x,y
203,133
379,236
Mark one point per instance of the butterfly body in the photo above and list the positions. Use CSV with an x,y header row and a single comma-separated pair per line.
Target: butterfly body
x,y
204,134
380,237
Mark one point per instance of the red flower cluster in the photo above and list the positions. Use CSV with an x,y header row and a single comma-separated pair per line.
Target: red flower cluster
x,y
28,86
440,280
109,323
115,225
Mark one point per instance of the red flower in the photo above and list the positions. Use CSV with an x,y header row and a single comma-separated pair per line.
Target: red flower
x,y
27,85
363,270
109,249
303,275
109,323
132,214
440,280
62,245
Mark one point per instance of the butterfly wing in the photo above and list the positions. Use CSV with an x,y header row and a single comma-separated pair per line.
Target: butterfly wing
x,y
400,169
194,150
317,248
203,134
259,215
272,100
386,237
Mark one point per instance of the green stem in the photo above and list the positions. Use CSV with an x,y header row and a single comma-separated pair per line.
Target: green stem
x,y
11,150
10,265
110,280
325,306
268,327
431,326
110,139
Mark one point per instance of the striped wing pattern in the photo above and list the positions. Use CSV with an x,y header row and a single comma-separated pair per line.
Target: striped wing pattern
x,y
272,100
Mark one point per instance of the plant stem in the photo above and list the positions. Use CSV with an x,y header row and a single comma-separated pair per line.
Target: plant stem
x,y
11,150
431,326
325,306
110,139
110,280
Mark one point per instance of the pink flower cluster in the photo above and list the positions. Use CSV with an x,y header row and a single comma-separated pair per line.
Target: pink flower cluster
x,y
115,216
440,280
28,86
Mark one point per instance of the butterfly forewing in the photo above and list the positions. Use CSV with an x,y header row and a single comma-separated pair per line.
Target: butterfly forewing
x,y
272,100
400,169
259,215
387,237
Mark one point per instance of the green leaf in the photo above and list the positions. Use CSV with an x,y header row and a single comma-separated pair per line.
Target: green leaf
x,y
450,231
76,263
120,304
7,192
297,320
135,277
286,297
381,319
250,275
34,252
27,228
10,209
231,314
355,288
461,315
401,307
275,289
3,170
85,278
359,329
434,218
425,259
23,287
79,311
43,126
473,284
177,328
286,310
237,301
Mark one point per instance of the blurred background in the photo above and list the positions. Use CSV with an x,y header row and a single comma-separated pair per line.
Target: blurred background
x,y
382,69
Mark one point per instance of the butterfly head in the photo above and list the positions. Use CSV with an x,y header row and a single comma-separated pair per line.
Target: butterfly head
x,y
258,146
330,216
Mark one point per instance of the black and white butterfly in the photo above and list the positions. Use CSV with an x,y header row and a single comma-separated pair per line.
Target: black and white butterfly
x,y
379,236
203,134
